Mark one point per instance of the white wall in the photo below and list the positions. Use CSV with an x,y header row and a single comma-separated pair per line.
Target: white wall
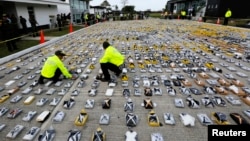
x,y
42,12
22,11
175,8
63,8
95,11
91,11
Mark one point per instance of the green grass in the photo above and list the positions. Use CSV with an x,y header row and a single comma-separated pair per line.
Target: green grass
x,y
21,44
236,22
24,44
231,22
155,15
65,30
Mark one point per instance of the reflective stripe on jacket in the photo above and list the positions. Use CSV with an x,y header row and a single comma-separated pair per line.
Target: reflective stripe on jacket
x,y
112,55
50,66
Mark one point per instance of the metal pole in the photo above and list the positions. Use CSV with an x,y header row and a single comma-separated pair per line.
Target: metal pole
x,y
71,12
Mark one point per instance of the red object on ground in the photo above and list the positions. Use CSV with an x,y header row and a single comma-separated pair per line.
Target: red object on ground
x,y
42,40
218,21
200,19
85,25
70,28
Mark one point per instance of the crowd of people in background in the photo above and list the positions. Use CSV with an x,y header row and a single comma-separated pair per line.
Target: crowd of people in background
x,y
10,31
88,19
183,14
33,24
62,20
190,13
23,22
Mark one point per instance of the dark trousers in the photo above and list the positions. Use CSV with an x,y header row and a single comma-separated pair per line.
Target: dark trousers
x,y
60,27
34,31
55,78
225,21
109,66
11,45
25,29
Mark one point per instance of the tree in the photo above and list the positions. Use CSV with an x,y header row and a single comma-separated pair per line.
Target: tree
x,y
128,9
124,2
116,7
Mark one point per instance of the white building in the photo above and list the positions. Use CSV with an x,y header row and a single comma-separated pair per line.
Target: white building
x,y
97,10
45,11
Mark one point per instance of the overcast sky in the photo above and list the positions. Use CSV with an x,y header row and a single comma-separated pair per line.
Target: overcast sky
x,y
140,5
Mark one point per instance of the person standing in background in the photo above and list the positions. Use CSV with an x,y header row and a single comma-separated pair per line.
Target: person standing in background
x,y
13,19
8,33
33,24
23,22
228,14
166,15
59,22
183,14
15,28
98,17
86,18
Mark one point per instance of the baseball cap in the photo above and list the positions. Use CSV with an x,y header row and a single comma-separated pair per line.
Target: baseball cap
x,y
105,44
4,15
60,53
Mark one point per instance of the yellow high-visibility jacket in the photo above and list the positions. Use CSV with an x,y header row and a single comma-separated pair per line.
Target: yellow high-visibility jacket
x,y
86,16
50,66
183,13
228,14
98,16
112,55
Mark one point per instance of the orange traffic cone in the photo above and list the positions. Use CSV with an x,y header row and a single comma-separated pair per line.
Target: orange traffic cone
x,y
218,21
178,17
86,24
70,28
199,19
41,37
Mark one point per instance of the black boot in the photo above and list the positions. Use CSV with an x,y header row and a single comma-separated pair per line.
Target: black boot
x,y
40,80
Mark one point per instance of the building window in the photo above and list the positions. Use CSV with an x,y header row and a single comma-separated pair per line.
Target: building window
x,y
216,6
31,11
211,6
208,7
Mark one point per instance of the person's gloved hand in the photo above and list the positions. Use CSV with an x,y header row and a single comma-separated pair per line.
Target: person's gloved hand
x,y
74,77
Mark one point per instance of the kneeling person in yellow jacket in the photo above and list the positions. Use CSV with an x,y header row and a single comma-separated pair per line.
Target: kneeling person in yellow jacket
x,y
53,68
112,60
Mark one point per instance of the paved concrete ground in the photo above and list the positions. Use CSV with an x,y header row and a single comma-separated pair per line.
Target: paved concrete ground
x,y
159,36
